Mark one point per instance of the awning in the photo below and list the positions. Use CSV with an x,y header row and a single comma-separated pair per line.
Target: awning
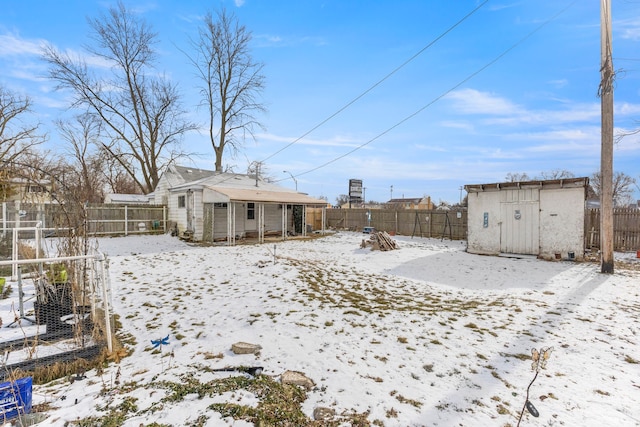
x,y
264,196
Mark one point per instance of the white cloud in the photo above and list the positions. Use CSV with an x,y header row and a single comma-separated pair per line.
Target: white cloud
x,y
335,141
628,28
471,101
626,108
559,83
457,124
12,45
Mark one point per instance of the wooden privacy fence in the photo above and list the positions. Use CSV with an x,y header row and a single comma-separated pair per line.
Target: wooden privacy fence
x,y
422,223
134,219
104,219
626,229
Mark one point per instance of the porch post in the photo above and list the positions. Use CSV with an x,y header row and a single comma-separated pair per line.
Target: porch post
x,y
324,218
260,222
213,222
284,221
304,220
231,223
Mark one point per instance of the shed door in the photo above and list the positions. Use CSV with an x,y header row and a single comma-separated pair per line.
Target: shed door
x,y
520,227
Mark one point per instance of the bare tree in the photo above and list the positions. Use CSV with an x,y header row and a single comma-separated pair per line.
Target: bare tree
x,y
622,187
517,177
342,199
230,82
117,179
557,174
140,112
85,175
17,137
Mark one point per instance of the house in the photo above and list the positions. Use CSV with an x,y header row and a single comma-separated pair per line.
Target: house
x,y
30,191
542,218
217,206
423,203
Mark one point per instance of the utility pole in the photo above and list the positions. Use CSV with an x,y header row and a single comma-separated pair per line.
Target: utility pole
x,y
606,156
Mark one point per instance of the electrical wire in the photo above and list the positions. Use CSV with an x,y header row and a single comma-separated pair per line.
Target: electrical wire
x,y
354,100
439,97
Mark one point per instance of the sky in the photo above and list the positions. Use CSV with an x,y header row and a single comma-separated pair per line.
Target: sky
x,y
437,94
426,335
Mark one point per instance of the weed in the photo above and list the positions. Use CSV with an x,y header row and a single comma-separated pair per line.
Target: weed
x,y
539,361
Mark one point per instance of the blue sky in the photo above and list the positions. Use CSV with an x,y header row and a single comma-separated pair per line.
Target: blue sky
x,y
461,112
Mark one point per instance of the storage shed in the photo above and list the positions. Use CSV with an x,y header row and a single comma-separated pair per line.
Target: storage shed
x,y
542,218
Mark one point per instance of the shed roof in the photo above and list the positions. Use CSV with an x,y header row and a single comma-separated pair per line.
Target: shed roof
x,y
542,184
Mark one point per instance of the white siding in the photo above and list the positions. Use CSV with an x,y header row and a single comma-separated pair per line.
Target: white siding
x,y
484,237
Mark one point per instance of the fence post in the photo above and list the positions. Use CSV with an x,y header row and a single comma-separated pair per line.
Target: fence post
x,y
164,220
126,221
106,281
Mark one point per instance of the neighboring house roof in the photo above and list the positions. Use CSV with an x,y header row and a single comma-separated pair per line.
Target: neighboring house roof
x,y
126,198
415,200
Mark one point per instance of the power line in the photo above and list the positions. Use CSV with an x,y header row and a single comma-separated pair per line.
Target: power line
x,y
378,82
465,80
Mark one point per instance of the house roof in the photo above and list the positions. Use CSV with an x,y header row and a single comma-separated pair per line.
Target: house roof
x,y
245,188
127,198
177,175
266,196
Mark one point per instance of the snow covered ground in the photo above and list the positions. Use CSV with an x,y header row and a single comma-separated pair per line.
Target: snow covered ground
x,y
427,335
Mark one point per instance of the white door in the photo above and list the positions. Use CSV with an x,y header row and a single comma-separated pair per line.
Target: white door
x,y
520,227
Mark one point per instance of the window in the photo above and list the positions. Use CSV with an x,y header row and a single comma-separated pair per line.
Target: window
x,y
219,205
251,211
35,189
182,201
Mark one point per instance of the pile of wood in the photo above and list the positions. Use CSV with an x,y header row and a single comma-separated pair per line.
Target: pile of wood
x,y
380,241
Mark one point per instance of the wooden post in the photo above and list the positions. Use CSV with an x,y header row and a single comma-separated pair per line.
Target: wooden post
x,y
606,159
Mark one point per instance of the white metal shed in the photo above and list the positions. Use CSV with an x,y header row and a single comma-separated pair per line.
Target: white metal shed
x,y
542,218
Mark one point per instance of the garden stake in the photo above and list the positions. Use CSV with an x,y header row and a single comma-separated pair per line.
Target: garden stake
x,y
160,343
